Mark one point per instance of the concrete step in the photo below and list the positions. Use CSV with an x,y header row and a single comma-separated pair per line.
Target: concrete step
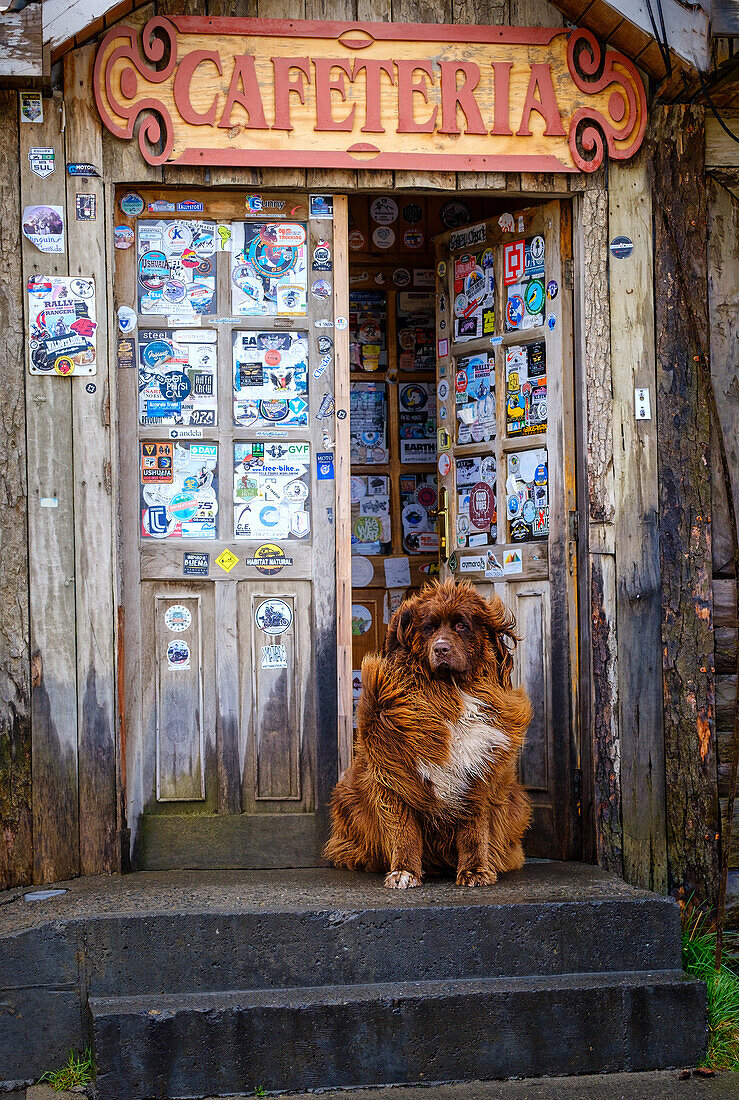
x,y
368,943
215,1043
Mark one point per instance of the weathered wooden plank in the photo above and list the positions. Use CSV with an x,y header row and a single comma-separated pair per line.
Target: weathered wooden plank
x,y
724,602
342,473
93,512
636,537
51,565
22,48
721,151
186,173
230,763
725,694
170,842
604,714
16,834
676,141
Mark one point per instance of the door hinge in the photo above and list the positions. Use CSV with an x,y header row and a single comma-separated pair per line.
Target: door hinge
x,y
569,274
577,789
574,525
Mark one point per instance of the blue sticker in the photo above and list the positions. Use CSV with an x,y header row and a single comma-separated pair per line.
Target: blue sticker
x,y
534,296
551,321
325,466
163,408
514,310
190,206
175,386
158,351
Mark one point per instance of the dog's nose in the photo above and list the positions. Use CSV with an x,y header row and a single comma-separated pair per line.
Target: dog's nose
x,y
442,649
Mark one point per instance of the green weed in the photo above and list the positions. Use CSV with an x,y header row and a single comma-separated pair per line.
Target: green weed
x,y
699,953
77,1070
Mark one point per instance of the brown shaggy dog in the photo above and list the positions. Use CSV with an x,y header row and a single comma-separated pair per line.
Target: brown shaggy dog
x,y
433,782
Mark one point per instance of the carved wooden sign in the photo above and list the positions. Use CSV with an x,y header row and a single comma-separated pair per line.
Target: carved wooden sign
x,y
372,95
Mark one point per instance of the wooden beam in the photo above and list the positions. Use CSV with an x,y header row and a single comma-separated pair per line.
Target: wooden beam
x,y
51,553
676,140
16,830
23,60
93,513
721,150
638,596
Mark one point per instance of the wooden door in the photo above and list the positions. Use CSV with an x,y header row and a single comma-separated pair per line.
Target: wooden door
x,y
225,396
507,471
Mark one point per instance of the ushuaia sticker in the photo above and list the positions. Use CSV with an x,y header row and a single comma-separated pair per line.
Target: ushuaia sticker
x,y
178,655
62,325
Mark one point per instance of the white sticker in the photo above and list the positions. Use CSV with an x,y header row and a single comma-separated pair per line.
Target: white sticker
x,y
49,502
397,572
493,567
341,323
274,656
126,319
512,562
273,616
472,565
363,571
178,655
177,618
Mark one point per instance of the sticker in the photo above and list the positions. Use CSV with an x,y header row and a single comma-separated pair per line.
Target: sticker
x,y
506,223
397,572
514,262
49,502
321,207
443,390
454,214
271,490
195,565
160,206
413,238
32,107
91,387
341,324
551,321
443,348
85,208
125,353
482,505
621,247
177,618
327,406
321,289
493,566
472,565
269,558
512,562
325,466
534,296
274,656
384,210
361,619
273,616
178,655
514,311
356,240
443,440
86,170
227,560
468,238
132,204
453,563
62,325
123,236
324,343
445,464
270,379
441,269
383,237
321,258
41,161
44,227
363,571
190,206
401,277
552,290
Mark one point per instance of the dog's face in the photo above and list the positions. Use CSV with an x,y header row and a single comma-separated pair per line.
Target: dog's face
x,y
450,628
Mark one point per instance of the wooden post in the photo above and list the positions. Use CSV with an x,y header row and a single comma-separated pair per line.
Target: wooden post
x,y
16,833
93,513
676,140
637,542
51,552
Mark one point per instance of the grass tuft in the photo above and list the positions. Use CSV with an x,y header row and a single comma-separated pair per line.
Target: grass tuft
x,y
699,954
77,1070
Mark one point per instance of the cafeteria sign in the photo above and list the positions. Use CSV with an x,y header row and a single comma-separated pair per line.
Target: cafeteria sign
x,y
371,95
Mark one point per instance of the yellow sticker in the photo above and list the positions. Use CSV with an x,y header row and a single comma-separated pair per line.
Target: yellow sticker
x,y
227,560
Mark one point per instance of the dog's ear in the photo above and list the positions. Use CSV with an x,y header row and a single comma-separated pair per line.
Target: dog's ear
x,y
501,628
399,629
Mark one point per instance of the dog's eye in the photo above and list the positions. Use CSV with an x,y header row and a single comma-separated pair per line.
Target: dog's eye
x,y
461,627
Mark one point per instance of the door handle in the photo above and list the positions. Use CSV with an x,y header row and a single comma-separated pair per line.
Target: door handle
x,y
442,513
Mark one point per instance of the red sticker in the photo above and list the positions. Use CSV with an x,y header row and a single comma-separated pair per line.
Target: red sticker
x,y
514,262
460,381
272,358
482,504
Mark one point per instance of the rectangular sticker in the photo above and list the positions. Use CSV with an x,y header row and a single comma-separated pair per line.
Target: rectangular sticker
x,y
270,379
62,325
178,378
179,490
176,269
195,565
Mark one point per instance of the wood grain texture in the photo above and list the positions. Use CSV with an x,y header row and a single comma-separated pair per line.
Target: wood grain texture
x,y
638,596
16,831
677,142
94,534
49,436
342,472
171,842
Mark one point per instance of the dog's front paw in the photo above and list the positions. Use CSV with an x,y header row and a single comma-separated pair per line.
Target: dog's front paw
x,y
401,880
476,878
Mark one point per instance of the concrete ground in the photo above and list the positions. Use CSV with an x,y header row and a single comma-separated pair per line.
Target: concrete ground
x,y
615,1086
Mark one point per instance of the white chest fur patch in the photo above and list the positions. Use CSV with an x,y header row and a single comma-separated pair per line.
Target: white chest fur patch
x,y
472,749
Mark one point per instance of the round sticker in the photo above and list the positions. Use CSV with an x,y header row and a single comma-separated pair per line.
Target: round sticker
x,y
296,492
157,352
445,464
132,204
460,305
123,236
356,240
384,210
528,512
620,247
482,504
541,476
175,386
205,267
552,289
488,468
182,507
426,496
361,619
273,410
320,289
383,237
272,357
177,237
455,214
367,529
534,296
269,559
463,525
551,321
321,254
441,269
174,291
341,323
413,397
177,618
413,238
363,571
514,310
513,505
64,365
401,276
442,412
126,319
443,390
325,343
153,270
178,654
